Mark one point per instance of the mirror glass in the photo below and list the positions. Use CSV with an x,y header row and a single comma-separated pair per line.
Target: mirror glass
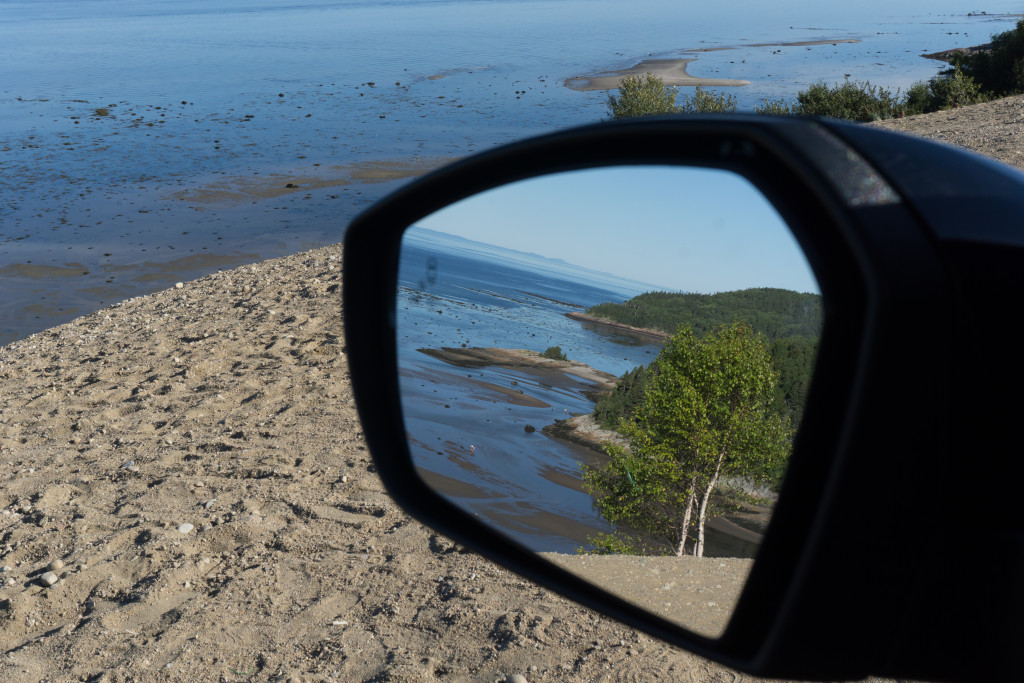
x,y
608,366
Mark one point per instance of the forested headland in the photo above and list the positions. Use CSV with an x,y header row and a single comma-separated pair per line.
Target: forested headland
x,y
789,321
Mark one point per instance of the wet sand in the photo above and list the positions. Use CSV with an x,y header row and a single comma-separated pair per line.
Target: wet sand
x,y
243,189
673,71
521,358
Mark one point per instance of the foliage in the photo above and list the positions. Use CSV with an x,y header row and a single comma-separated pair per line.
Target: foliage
x,y
791,321
624,398
948,90
861,101
954,89
777,107
554,352
852,100
919,99
773,312
793,361
642,95
647,95
999,70
705,414
706,102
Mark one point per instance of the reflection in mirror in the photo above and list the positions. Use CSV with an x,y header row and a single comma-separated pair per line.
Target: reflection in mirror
x,y
608,366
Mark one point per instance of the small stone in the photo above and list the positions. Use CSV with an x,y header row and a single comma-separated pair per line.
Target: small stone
x,y
48,579
179,285
200,484
515,678
210,503
185,528
132,468
55,565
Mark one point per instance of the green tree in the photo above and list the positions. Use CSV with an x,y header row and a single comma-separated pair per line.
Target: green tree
x,y
999,70
642,95
554,352
647,95
705,414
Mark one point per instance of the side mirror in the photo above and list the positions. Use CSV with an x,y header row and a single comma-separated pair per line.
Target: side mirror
x,y
456,293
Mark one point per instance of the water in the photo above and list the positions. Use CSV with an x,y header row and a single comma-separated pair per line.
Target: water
x,y
148,142
476,433
468,426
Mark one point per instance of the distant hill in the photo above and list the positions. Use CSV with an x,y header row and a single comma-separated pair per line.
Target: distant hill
x,y
776,313
790,321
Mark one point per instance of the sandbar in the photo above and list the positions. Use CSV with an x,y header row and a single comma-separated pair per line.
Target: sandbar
x,y
520,358
671,71
246,189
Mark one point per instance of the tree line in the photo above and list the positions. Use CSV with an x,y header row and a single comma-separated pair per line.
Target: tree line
x,y
790,322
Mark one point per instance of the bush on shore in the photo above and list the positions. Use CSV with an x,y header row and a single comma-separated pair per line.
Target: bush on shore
x,y
554,352
998,70
647,95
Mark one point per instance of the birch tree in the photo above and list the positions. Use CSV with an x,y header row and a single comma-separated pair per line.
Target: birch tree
x,y
705,415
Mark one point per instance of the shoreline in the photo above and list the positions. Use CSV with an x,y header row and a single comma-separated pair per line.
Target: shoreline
x,y
477,357
604,322
672,71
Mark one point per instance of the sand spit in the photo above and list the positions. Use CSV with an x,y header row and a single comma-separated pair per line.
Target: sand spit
x,y
611,324
522,358
671,71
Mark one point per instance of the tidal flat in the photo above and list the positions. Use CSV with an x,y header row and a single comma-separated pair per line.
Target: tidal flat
x,y
145,144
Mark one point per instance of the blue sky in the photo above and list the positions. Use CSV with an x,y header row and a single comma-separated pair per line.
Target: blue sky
x,y
679,229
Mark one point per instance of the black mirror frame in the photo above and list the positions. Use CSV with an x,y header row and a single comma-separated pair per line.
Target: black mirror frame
x,y
777,157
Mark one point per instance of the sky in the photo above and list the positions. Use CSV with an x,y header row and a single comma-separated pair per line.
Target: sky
x,y
678,229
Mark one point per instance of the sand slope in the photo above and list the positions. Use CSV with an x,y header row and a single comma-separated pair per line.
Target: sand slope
x,y
225,405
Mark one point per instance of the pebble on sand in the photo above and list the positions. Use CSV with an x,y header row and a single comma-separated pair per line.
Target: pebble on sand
x,y
185,528
48,579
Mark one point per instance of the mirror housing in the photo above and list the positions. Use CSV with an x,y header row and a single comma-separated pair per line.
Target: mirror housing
x,y
854,574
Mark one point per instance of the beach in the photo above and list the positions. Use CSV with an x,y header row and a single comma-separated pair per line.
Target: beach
x,y
194,461
190,467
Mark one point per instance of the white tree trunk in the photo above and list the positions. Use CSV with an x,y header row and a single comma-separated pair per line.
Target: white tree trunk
x,y
703,513
685,531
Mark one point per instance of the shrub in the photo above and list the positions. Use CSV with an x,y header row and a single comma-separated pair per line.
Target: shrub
x,y
918,99
554,352
999,70
705,102
642,95
954,89
647,95
852,100
777,107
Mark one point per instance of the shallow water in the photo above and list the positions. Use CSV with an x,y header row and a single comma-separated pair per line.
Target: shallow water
x,y
476,433
113,115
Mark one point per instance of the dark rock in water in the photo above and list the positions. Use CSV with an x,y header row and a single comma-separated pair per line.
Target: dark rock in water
x,y
530,429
